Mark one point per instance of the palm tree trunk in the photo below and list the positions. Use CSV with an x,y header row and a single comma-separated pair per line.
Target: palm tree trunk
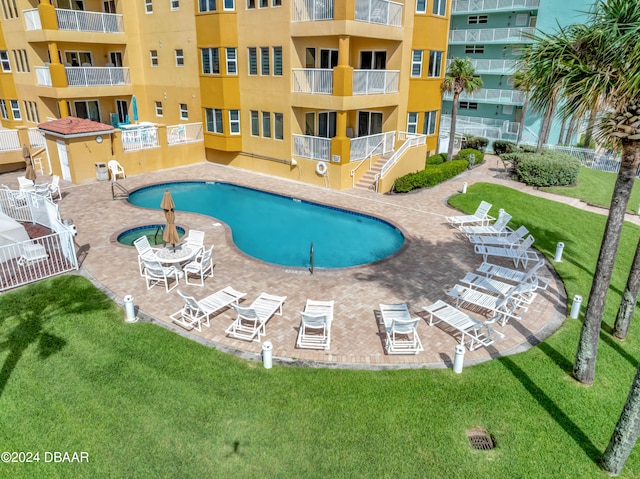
x,y
629,298
570,130
547,119
563,126
585,362
525,105
452,129
625,433
588,135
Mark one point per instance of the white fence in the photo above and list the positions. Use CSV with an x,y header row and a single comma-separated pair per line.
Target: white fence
x,y
410,140
97,76
490,95
382,12
312,10
184,133
460,6
38,258
373,82
36,138
9,140
374,145
487,35
84,21
312,147
141,138
313,80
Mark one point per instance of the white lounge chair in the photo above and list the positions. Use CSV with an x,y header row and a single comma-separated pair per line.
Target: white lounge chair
x,y
499,227
32,253
251,321
477,333
54,187
202,266
520,253
43,190
481,217
401,329
473,299
116,169
512,238
194,313
155,273
491,270
195,238
315,325
145,251
525,292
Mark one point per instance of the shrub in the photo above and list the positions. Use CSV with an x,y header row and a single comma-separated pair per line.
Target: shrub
x,y
436,159
548,169
501,147
430,176
476,142
527,149
464,155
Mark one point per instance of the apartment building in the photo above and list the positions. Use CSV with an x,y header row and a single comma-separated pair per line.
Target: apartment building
x,y
322,91
492,33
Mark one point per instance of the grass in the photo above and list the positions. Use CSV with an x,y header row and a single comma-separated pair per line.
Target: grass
x,y
596,187
144,402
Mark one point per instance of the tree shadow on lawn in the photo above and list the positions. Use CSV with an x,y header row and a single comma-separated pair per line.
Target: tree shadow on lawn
x,y
37,306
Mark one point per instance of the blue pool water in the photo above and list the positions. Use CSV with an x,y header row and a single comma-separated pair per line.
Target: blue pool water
x,y
279,229
152,232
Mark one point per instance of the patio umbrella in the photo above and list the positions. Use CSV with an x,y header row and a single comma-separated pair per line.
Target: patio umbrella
x,y
30,174
134,107
170,234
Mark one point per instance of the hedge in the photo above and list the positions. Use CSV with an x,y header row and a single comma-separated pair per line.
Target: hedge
x,y
476,142
464,155
430,176
547,169
436,159
501,147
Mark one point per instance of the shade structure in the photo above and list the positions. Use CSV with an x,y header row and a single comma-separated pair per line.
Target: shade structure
x,y
170,234
30,173
134,107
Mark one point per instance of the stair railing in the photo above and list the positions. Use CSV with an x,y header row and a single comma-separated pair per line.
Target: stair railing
x,y
369,157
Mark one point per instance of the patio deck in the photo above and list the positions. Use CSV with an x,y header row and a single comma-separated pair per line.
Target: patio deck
x,y
434,260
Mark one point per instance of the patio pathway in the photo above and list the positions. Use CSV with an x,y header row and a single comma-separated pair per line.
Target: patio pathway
x,y
434,260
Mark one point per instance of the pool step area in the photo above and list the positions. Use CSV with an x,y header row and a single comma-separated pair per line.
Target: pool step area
x,y
367,181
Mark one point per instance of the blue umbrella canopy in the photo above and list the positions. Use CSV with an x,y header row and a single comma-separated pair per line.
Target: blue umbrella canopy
x,y
134,107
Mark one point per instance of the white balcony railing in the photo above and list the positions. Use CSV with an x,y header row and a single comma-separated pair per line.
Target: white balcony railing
x,y
9,140
32,19
496,67
184,133
373,82
84,21
382,12
489,35
374,145
312,10
97,76
313,80
43,76
410,140
488,95
312,147
475,6
478,126
141,138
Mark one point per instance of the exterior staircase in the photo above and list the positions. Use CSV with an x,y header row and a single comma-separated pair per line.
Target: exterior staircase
x,y
367,182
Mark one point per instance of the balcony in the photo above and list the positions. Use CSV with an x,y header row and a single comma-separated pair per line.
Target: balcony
x,y
312,147
313,80
77,20
374,145
312,10
375,82
491,35
492,67
484,6
487,127
382,12
87,76
487,95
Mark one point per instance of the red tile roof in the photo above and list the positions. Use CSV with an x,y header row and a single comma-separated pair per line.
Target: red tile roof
x,y
74,126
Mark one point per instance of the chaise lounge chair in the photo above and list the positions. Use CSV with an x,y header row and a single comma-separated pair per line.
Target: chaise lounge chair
x,y
497,228
315,325
512,238
481,217
518,253
251,321
491,270
503,307
195,312
401,329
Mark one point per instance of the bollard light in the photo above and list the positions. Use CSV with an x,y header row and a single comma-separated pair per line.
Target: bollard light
x,y
129,310
575,307
464,187
267,354
458,360
559,248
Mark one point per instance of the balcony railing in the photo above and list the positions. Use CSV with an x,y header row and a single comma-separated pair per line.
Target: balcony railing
x,y
312,10
382,12
497,67
139,137
488,95
32,19
77,20
374,145
43,76
97,76
475,6
373,82
184,133
312,147
489,35
313,80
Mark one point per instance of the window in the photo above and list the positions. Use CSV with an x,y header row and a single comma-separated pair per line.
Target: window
x,y
251,4
229,4
3,109
234,122
148,6
264,3
412,122
421,6
158,108
255,127
109,6
253,61
522,19
89,110
266,124
21,61
507,109
278,126
15,110
31,110
435,64
210,61
214,120
277,61
477,19
327,124
440,7
371,60
468,105
276,3
154,57
184,111
264,60
416,64
232,62
179,57
175,4
474,48
207,5
4,60
429,127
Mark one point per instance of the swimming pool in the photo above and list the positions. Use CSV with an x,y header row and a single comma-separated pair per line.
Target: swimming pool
x,y
279,229
153,232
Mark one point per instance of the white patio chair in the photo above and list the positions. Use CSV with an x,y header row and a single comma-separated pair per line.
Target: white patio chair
x,y
155,273
25,185
473,333
194,313
251,321
202,266
195,238
512,238
401,329
54,187
43,190
116,169
475,300
481,217
145,251
520,253
16,199
525,291
315,325
491,270
499,227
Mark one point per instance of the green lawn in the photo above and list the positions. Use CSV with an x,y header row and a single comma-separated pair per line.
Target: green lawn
x,y
145,402
596,187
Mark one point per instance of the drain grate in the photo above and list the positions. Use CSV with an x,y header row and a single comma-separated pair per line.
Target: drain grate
x,y
480,439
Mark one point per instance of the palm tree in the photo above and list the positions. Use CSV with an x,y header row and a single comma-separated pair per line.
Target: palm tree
x,y
461,77
598,63
629,298
520,84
